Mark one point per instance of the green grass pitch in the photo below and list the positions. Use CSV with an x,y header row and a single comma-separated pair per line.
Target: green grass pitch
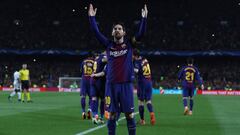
x,y
59,114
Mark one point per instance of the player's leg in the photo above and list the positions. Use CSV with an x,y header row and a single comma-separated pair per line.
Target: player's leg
x,y
107,101
83,98
102,99
11,95
127,106
111,124
185,103
148,99
23,91
112,100
95,110
140,94
191,101
19,94
102,106
28,92
89,113
141,111
94,105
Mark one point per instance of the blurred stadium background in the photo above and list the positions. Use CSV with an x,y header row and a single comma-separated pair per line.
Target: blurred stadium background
x,y
53,36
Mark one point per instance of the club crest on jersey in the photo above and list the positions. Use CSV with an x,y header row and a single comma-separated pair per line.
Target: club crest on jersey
x,y
118,53
123,46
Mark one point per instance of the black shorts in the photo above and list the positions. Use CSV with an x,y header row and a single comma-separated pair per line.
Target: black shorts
x,y
25,85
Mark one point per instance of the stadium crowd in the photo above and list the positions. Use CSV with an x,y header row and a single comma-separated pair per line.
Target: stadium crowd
x,y
217,73
172,25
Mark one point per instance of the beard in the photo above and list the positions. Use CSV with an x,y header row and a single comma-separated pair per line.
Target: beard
x,y
118,36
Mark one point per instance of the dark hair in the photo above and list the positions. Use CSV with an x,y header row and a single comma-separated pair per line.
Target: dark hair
x,y
90,54
190,60
136,52
119,23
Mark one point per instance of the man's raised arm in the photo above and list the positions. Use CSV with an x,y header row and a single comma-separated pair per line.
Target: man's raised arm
x,y
92,13
142,28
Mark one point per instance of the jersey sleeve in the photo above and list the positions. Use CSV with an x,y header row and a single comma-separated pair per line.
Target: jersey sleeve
x,y
198,77
101,38
142,30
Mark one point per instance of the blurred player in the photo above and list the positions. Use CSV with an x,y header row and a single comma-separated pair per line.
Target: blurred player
x,y
16,86
26,82
144,91
188,75
107,95
120,70
86,71
98,88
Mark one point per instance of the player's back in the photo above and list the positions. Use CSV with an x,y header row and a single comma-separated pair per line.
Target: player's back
x,y
100,62
16,76
144,70
188,75
87,68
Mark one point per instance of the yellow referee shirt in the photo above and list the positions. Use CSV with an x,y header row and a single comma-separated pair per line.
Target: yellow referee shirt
x,y
24,74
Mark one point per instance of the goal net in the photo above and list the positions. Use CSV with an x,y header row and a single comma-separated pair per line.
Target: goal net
x,y
69,84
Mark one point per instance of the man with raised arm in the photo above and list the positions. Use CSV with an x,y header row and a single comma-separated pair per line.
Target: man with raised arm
x,y
120,73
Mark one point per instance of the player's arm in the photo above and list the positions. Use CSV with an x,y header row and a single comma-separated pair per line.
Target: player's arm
x,y
142,27
180,74
100,74
199,79
81,68
92,13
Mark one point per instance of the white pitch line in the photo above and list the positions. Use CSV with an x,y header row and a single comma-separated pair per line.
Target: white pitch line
x,y
99,127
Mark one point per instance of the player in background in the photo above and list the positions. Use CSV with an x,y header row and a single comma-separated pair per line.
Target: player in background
x,y
144,89
98,88
86,71
188,75
16,86
120,73
107,96
26,82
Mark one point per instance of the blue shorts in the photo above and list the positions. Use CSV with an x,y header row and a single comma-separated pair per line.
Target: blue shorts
x,y
85,87
144,91
188,91
120,96
98,89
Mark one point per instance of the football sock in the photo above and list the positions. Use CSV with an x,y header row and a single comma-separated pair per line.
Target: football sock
x,y
191,104
141,111
19,95
83,103
28,96
150,107
185,102
102,108
94,107
111,126
131,126
22,96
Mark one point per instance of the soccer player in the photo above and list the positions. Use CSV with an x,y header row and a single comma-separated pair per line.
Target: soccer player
x,y
144,91
107,96
188,75
120,73
86,71
25,81
16,86
98,88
